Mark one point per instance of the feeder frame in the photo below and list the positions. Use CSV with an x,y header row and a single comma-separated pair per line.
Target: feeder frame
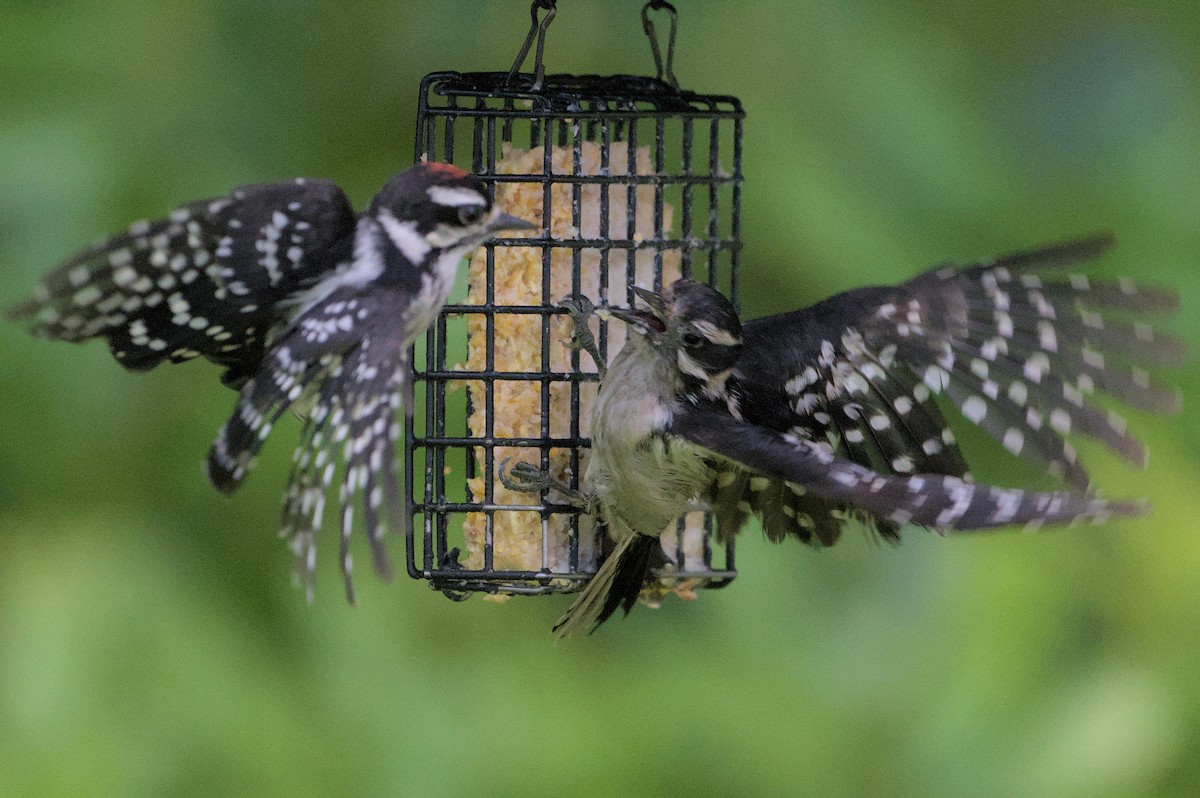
x,y
564,111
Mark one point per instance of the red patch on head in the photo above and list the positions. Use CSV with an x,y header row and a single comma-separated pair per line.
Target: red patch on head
x,y
447,171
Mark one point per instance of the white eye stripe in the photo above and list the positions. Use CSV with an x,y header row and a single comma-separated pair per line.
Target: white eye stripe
x,y
455,197
715,334
405,236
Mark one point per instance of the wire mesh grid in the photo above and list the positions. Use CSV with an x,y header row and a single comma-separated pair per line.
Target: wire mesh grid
x,y
632,182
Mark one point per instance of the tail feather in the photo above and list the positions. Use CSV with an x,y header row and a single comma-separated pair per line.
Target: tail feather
x,y
616,585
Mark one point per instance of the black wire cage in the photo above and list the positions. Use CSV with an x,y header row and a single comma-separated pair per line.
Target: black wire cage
x,y
633,182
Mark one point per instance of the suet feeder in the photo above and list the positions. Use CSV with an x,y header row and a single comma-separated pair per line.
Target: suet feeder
x,y
633,181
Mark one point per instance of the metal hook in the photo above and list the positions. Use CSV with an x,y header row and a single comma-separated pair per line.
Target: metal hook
x,y
539,30
669,71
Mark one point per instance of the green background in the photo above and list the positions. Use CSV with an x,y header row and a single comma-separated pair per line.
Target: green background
x,y
151,644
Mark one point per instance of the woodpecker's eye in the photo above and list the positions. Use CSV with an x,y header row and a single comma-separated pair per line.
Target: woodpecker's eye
x,y
470,214
692,340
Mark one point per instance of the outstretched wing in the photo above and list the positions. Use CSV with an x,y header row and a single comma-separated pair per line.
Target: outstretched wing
x,y
1016,344
205,281
349,357
934,500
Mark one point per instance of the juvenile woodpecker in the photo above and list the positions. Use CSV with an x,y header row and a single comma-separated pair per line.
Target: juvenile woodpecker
x,y
809,418
297,297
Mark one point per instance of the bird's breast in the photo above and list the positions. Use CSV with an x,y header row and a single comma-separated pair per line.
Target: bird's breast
x,y
638,472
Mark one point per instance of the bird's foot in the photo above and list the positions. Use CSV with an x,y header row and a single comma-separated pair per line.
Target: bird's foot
x,y
528,478
579,308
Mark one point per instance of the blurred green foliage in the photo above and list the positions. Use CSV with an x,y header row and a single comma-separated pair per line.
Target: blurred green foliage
x,y
150,643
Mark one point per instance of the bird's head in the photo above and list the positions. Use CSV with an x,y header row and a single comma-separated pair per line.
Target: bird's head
x,y
694,326
437,206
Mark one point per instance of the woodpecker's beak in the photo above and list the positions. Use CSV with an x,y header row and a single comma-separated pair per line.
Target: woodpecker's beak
x,y
652,322
506,221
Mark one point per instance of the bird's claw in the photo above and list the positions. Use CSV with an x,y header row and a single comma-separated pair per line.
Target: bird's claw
x,y
523,477
527,478
580,308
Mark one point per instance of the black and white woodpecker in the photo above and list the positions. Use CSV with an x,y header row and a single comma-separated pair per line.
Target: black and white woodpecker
x,y
304,303
810,418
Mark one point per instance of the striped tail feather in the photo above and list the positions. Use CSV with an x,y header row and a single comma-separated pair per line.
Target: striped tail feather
x,y
369,453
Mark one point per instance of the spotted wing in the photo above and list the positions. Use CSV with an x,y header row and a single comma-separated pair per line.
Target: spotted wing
x,y
348,356
204,281
1021,349
937,501
1019,353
